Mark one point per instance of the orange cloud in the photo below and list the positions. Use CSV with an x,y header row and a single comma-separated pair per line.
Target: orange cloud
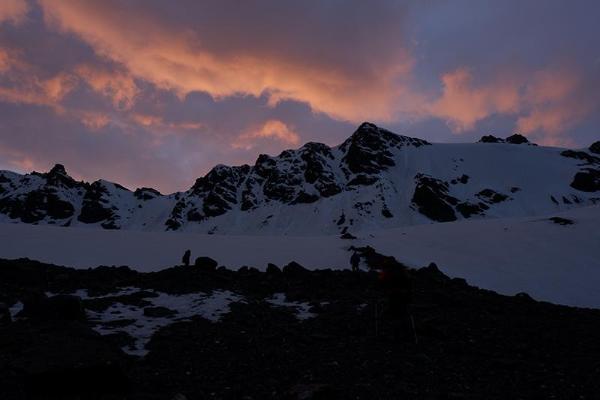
x,y
545,102
24,85
22,82
5,60
555,105
13,11
551,86
174,58
94,120
463,104
17,159
117,86
271,129
159,126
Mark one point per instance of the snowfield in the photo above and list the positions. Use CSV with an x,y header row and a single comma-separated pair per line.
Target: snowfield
x,y
549,261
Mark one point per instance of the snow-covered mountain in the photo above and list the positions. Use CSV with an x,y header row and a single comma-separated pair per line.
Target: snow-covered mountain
x,y
374,179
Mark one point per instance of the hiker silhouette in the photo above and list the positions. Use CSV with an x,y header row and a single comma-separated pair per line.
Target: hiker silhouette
x,y
186,258
355,261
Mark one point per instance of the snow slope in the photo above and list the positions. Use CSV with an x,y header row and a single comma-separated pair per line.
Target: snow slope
x,y
553,262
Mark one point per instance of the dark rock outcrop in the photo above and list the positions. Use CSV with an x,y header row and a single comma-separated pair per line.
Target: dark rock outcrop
x,y
146,193
95,206
206,263
490,139
59,307
517,139
587,180
581,155
468,209
432,199
561,221
491,196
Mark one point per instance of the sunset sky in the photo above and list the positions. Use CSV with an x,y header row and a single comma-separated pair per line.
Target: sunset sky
x,y
155,93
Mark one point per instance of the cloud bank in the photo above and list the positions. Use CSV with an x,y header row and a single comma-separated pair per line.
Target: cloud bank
x,y
155,93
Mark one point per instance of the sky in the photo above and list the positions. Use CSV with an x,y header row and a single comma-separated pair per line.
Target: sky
x,y
155,93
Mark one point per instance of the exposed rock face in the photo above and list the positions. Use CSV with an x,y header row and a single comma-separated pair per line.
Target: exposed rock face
x,y
581,155
490,196
587,180
517,139
146,193
367,151
94,207
468,209
490,139
512,139
303,176
47,197
595,147
432,199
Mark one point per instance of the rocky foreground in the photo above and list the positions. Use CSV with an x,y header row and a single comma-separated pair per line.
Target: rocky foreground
x,y
284,333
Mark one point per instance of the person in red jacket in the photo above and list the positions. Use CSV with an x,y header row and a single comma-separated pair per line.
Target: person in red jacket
x,y
396,283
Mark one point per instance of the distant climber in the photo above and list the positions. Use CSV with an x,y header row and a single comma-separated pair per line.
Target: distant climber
x,y
355,261
186,258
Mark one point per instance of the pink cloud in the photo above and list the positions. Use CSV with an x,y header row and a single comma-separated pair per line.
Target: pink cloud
x,y
462,103
94,120
546,102
271,129
23,83
177,58
116,85
13,11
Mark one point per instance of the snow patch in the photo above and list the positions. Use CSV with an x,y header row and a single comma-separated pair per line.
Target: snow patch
x,y
130,319
15,309
301,309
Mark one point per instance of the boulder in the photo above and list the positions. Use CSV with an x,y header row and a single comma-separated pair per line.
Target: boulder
x,y
587,180
59,307
273,269
5,317
159,312
206,263
294,268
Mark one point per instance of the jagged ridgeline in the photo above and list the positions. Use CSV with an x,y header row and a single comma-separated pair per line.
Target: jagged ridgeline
x,y
374,179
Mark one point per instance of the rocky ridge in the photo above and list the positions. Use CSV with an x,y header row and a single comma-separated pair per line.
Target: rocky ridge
x,y
374,179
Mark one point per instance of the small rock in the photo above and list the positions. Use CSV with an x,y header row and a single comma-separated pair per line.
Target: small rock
x,y
159,312
60,307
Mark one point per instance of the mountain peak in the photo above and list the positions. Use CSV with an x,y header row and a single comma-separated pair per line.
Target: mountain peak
x,y
57,176
367,126
58,169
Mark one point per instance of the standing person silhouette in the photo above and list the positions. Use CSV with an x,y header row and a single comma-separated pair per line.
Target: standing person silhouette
x,y
186,258
355,261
